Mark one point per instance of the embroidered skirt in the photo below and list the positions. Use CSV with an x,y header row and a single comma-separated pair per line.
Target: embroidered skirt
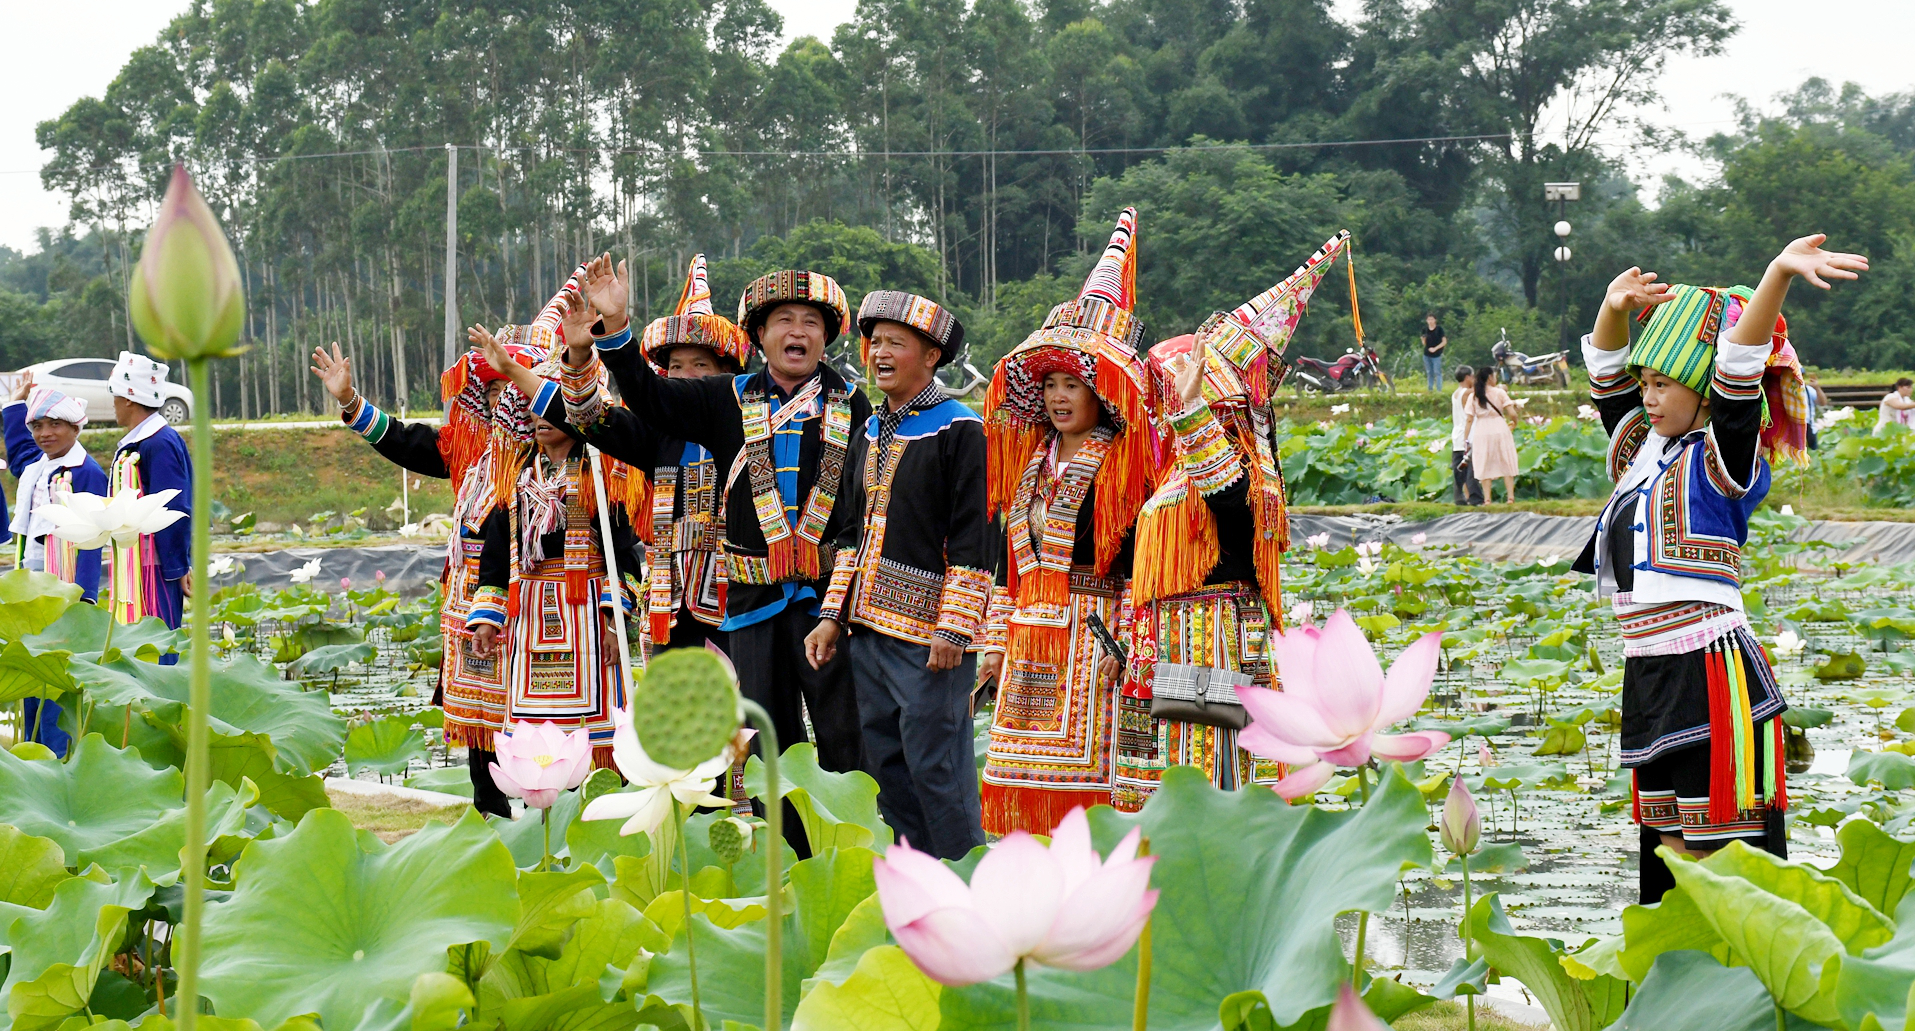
x,y
556,668
1051,736
1224,626
473,686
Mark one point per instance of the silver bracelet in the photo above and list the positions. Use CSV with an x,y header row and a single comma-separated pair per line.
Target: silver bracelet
x,y
347,404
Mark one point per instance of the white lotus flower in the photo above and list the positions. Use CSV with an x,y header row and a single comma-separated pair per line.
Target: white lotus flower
x,y
1339,409
1419,539
143,514
1788,510
220,565
91,521
306,572
409,530
1363,563
1370,548
1789,644
1588,413
646,808
1437,445
1318,540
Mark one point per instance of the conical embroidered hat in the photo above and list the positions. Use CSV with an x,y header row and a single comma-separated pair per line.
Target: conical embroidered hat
x,y
694,324
1241,341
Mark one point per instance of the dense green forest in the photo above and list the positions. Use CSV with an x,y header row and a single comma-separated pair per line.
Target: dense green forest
x,y
973,150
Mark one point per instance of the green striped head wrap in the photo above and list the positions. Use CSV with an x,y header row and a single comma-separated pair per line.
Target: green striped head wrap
x,y
1679,340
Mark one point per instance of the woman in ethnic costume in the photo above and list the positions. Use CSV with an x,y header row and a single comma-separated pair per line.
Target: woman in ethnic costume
x,y
1708,389
544,595
1071,448
1206,594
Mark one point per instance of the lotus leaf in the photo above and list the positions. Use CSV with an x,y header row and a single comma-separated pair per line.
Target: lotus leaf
x,y
30,868
30,602
1250,888
825,889
1780,941
99,796
885,993
567,991
24,674
1807,718
438,1002
1892,770
1842,666
838,810
58,954
526,838
1691,991
82,631
324,920
247,695
1573,1004
450,780
1873,865
331,658
241,757
385,746
157,847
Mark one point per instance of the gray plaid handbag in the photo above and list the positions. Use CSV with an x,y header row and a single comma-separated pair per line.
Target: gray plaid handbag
x,y
1198,694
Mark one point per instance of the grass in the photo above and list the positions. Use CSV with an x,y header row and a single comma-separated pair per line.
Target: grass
x,y
392,818
1451,1016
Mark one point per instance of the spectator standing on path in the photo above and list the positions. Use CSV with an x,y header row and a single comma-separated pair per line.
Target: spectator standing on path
x,y
1464,488
1897,406
1434,342
1492,446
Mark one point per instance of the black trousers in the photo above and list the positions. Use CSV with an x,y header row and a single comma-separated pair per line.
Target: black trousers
x,y
688,632
917,742
1466,489
486,796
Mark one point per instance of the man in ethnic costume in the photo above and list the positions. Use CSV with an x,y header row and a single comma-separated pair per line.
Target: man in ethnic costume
x,y
1207,593
1072,450
152,577
779,440
44,451
914,577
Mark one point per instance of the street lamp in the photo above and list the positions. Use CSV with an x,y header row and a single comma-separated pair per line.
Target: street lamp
x,y
1561,194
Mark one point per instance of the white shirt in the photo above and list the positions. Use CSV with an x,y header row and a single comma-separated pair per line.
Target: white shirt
x,y
148,426
1457,421
1888,411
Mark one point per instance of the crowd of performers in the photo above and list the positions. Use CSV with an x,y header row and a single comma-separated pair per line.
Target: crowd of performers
x,y
1100,546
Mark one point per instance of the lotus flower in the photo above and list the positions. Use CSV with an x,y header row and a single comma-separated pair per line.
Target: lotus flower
x,y
1339,409
305,573
1318,540
1438,445
537,761
1061,906
1335,700
91,521
1462,825
220,565
1587,413
1302,611
1484,755
185,296
1419,539
379,577
1351,1013
1788,510
345,583
646,808
1789,644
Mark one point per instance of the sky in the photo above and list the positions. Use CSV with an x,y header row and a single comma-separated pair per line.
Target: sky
x,y
1781,43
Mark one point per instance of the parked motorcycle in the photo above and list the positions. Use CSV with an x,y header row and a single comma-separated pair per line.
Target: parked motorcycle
x,y
847,365
961,379
1354,371
1517,367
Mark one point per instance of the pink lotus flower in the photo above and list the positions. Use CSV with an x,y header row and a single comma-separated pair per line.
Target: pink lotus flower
x,y
537,761
1484,755
379,576
1060,906
1419,539
345,583
1462,825
1335,701
1351,1013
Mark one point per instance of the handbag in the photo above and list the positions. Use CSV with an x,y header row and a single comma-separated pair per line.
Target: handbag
x,y
1198,694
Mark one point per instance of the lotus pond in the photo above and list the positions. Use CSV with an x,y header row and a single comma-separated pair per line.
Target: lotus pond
x,y
314,921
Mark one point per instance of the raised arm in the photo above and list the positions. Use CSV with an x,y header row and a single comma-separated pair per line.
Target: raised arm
x,y
413,447
703,410
1805,258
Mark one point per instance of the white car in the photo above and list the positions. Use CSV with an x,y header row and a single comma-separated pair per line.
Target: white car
x,y
86,378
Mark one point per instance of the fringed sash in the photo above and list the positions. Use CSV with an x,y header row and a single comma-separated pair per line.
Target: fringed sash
x,y
793,554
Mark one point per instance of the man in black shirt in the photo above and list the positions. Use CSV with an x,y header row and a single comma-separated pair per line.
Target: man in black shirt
x,y
913,575
1434,341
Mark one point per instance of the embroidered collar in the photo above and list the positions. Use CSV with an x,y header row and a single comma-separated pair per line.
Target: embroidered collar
x,y
150,425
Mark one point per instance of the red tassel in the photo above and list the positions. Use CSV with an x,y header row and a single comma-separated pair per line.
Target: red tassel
x,y
1635,796
1722,807
1781,793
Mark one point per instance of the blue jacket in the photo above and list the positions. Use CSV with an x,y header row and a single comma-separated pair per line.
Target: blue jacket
x,y
165,465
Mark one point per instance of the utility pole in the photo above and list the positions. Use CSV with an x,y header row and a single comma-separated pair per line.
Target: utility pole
x,y
452,258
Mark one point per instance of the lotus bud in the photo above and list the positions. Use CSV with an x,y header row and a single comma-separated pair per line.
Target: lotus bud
x,y
185,297
1462,825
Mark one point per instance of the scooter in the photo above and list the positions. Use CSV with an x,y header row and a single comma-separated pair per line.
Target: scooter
x,y
1517,367
960,379
847,365
1354,371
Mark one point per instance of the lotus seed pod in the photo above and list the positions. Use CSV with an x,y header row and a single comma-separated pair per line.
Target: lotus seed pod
x,y
688,706
730,838
598,782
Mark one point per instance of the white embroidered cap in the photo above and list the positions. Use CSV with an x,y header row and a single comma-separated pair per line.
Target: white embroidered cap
x,y
137,378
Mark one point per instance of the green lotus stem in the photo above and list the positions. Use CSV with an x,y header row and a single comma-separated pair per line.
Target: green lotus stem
x,y
1362,930
774,877
545,820
1468,940
685,890
1140,1001
199,699
1023,999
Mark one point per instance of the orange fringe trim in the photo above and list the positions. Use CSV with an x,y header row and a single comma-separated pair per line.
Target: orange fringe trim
x,y
462,442
1033,809
1181,540
1128,475
1050,645
468,735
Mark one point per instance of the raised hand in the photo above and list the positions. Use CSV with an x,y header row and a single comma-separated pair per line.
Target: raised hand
x,y
489,347
575,326
1806,258
1635,290
1188,371
608,290
26,387
334,371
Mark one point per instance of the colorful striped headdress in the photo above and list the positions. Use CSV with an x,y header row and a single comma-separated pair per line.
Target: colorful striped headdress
x,y
920,313
1094,338
48,403
1679,340
788,286
1243,340
694,324
468,424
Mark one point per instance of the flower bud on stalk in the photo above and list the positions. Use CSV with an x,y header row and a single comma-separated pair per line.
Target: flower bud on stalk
x,y
1462,825
185,296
